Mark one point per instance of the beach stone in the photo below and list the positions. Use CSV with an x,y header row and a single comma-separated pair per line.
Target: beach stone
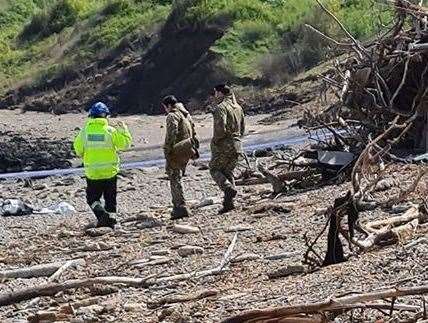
x,y
98,232
185,229
186,251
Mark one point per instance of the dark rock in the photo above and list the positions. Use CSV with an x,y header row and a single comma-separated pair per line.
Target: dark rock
x,y
190,250
102,290
287,271
259,153
17,153
149,223
97,232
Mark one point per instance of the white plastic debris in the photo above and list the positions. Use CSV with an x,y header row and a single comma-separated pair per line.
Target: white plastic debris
x,y
14,207
335,158
65,208
62,208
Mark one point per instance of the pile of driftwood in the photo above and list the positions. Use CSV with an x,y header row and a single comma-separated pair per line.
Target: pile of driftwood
x,y
55,270
381,107
381,80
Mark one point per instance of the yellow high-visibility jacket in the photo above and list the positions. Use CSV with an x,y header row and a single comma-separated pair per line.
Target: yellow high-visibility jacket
x,y
98,143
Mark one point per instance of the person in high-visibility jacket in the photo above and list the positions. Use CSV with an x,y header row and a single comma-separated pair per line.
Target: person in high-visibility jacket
x,y
98,144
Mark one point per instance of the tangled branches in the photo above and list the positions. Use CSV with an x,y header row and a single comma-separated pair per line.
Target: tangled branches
x,y
382,104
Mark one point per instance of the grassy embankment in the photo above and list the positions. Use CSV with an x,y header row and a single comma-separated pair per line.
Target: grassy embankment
x,y
267,40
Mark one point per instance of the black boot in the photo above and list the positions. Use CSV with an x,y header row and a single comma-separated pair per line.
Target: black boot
x,y
227,207
179,212
111,220
103,217
229,195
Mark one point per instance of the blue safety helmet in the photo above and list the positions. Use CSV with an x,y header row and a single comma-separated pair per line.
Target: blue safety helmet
x,y
98,109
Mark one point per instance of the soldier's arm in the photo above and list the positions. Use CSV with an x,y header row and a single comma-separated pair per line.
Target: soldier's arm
x,y
171,134
220,117
78,144
194,134
242,123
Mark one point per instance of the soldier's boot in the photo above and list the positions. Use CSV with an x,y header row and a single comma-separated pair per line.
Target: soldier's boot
x,y
103,217
179,212
228,205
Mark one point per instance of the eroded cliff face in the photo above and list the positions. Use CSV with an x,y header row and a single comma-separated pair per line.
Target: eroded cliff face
x,y
176,59
180,62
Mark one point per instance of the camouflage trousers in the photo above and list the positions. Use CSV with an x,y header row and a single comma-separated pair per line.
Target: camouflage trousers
x,y
175,176
222,165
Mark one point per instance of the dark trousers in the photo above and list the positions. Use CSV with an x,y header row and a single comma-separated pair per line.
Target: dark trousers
x,y
106,188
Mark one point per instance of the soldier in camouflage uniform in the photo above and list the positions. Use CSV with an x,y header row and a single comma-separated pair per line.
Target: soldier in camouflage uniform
x,y
226,145
179,127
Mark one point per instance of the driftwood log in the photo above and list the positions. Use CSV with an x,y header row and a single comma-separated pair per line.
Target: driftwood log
x,y
57,275
330,305
43,270
379,225
50,289
392,230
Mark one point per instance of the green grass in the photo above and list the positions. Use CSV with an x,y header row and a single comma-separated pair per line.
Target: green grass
x,y
32,32
266,27
244,43
54,18
4,5
120,22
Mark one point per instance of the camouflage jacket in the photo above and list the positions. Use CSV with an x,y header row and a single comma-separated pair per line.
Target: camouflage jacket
x,y
229,124
179,126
